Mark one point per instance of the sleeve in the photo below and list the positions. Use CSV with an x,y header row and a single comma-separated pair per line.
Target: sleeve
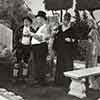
x,y
32,30
17,36
69,33
44,33
47,33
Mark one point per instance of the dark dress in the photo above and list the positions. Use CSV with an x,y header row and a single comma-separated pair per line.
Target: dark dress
x,y
64,53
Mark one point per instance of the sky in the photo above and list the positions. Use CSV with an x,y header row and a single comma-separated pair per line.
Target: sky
x,y
37,5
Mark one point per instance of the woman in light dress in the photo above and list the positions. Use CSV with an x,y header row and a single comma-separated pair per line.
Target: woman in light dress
x,y
94,52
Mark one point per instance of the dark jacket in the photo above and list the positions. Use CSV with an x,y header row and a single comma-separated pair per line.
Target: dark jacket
x,y
60,43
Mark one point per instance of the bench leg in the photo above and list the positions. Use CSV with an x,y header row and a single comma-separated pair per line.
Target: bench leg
x,y
77,88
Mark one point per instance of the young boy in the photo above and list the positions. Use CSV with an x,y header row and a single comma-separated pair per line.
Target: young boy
x,y
22,40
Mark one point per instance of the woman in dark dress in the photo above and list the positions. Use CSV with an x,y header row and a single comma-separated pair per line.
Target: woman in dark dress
x,y
63,46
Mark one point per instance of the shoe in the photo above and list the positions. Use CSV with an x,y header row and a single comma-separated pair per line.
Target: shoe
x,y
34,83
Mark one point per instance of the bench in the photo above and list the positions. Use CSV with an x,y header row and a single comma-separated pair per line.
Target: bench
x,y
77,86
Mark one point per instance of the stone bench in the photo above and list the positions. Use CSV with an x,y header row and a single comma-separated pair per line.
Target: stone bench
x,y
77,86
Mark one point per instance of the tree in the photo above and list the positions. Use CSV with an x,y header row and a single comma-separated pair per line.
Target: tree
x,y
14,11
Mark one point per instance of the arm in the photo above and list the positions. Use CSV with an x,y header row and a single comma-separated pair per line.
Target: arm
x,y
43,34
37,37
17,36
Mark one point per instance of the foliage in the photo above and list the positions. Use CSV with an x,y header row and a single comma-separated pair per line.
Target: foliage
x,y
13,11
66,4
58,4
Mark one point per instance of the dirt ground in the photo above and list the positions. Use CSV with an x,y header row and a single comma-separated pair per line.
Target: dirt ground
x,y
41,93
45,92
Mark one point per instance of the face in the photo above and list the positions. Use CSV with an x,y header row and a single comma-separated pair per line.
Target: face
x,y
27,22
40,21
55,28
90,23
65,21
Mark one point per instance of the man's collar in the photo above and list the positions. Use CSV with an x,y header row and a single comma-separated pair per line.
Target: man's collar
x,y
64,28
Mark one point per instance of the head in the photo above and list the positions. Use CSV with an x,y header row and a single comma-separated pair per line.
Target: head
x,y
85,16
41,18
54,27
27,21
67,18
91,23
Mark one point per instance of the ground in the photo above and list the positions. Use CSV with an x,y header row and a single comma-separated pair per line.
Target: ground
x,y
45,92
40,93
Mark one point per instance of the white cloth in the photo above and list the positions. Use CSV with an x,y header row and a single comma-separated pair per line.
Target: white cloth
x,y
41,32
25,39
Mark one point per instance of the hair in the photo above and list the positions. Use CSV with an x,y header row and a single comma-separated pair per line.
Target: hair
x,y
28,18
41,14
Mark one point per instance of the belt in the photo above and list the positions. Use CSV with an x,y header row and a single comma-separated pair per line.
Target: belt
x,y
69,40
26,35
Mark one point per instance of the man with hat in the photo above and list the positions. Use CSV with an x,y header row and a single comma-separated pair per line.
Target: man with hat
x,y
40,47
22,46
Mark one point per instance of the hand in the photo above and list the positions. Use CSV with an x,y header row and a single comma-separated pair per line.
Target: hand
x,y
67,39
37,37
31,33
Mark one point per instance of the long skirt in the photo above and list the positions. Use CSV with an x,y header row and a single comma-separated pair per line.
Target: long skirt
x,y
64,63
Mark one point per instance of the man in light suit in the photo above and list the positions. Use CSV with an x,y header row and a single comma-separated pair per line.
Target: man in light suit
x,y
40,48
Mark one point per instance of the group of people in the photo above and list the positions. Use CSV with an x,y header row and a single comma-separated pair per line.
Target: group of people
x,y
33,45
33,42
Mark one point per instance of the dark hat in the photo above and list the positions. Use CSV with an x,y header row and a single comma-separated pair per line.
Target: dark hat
x,y
67,16
28,18
41,14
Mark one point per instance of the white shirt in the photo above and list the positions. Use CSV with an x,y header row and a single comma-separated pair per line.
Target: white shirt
x,y
41,32
26,39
